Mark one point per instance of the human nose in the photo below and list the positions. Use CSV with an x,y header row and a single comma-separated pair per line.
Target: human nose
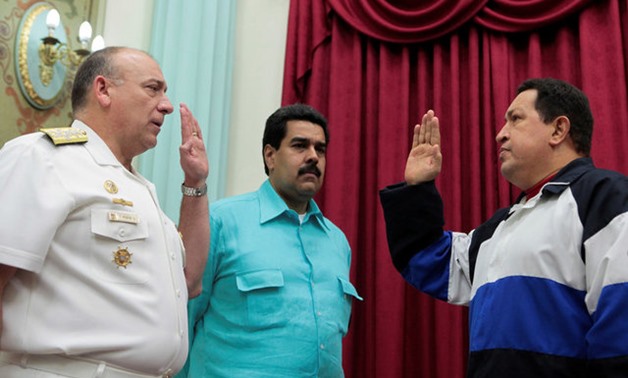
x,y
165,106
502,135
311,154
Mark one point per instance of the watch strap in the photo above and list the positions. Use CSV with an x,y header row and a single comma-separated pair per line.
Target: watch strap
x,y
193,192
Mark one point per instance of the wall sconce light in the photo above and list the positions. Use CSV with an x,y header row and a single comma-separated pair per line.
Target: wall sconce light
x,y
43,55
52,50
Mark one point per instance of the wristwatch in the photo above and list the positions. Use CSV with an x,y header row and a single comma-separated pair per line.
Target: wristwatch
x,y
194,192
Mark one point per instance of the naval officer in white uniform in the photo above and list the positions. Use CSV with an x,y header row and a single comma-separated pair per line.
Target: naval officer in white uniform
x,y
94,278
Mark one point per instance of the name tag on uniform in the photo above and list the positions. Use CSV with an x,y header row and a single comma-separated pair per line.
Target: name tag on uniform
x,y
121,216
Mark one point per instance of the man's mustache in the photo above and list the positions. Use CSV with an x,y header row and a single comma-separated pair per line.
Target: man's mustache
x,y
310,168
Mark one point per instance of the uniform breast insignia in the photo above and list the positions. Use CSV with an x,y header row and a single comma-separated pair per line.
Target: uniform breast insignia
x,y
65,135
122,257
123,216
122,201
111,187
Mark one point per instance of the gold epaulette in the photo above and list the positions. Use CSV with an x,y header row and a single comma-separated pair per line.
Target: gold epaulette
x,y
65,135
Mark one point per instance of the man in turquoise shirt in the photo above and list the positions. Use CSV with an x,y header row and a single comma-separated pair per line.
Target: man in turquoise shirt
x,y
276,297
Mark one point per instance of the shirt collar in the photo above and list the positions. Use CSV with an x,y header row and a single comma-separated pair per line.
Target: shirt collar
x,y
272,206
569,173
536,188
101,153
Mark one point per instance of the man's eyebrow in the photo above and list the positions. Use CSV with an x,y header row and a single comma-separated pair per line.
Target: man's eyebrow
x,y
307,140
300,139
509,113
160,83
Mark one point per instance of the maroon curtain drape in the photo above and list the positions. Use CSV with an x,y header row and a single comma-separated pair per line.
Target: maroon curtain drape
x,y
374,67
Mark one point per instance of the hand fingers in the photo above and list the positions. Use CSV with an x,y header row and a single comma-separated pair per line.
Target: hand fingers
x,y
427,125
428,132
424,128
415,136
186,127
422,131
189,124
435,131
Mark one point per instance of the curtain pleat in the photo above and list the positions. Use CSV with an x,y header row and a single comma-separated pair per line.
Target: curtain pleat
x,y
420,21
405,23
517,15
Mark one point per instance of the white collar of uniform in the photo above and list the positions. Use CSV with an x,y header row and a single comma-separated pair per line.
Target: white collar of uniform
x,y
96,146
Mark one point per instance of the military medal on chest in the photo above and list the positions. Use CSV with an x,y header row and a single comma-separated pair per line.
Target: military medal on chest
x,y
122,257
111,187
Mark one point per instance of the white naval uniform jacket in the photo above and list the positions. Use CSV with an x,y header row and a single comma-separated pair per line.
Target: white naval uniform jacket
x,y
101,266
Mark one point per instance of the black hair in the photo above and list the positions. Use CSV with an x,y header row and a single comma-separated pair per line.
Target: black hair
x,y
275,129
558,98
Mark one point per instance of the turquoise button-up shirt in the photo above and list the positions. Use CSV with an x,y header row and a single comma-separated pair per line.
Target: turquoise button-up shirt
x,y
276,297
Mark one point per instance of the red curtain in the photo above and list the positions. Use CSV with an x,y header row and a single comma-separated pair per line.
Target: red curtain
x,y
374,67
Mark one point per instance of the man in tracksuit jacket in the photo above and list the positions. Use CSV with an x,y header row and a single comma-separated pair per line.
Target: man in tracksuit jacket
x,y
546,280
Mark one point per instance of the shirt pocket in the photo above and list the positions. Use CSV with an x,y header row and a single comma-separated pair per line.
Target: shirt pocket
x,y
349,293
265,303
119,252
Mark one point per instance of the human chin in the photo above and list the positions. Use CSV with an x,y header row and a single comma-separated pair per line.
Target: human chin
x,y
150,141
309,188
507,169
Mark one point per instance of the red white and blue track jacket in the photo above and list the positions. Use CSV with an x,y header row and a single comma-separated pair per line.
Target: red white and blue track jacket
x,y
546,280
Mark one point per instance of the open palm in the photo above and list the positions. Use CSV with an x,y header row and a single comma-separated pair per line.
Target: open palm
x,y
425,159
193,155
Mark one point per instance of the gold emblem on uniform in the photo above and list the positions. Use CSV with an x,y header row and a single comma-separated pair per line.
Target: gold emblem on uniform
x,y
122,201
65,135
111,187
122,257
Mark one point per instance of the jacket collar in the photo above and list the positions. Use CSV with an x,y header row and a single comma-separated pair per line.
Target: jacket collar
x,y
568,174
101,153
272,206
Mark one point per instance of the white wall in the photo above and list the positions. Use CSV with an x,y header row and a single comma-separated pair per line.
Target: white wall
x,y
258,74
128,23
257,79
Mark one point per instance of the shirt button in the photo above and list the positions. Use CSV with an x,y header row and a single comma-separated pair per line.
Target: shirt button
x,y
121,232
322,346
172,256
178,293
319,313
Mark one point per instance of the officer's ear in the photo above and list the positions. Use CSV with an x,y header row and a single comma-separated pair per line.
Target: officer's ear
x,y
101,89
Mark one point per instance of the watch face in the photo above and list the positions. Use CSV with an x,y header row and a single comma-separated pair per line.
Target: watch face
x,y
194,192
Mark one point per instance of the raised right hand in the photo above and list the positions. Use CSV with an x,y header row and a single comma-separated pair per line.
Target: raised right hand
x,y
425,159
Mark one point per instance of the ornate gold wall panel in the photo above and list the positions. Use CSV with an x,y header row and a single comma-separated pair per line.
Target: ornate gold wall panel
x,y
48,106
